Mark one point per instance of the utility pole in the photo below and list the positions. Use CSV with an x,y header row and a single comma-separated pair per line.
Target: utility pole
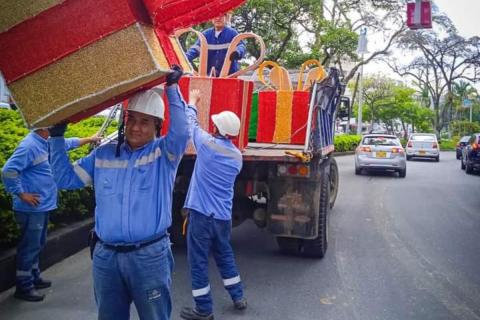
x,y
362,49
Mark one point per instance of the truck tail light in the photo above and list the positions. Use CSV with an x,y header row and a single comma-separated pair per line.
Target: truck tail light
x,y
293,170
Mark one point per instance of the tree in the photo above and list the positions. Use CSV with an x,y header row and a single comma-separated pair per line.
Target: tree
x,y
462,90
442,59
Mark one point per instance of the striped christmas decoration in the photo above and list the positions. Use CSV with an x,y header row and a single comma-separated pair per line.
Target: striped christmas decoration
x,y
219,94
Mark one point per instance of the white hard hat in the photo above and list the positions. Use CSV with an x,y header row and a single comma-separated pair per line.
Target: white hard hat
x,y
147,102
227,123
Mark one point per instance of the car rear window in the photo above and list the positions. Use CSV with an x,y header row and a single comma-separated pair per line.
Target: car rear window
x,y
423,138
381,141
465,139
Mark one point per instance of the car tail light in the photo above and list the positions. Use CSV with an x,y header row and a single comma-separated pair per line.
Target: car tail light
x,y
410,144
365,149
398,150
434,145
293,170
475,146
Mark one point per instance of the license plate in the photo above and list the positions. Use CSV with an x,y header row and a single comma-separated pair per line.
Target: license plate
x,y
421,153
381,154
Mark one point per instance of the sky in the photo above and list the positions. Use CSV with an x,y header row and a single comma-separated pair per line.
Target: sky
x,y
463,13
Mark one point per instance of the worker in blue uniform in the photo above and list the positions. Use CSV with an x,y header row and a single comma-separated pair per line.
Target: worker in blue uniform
x,y
132,260
219,38
27,175
209,202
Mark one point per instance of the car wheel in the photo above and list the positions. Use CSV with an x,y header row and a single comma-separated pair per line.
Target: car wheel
x,y
358,170
402,173
409,158
437,159
468,168
462,164
459,157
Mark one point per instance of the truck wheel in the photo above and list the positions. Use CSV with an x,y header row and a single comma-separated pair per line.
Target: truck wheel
x,y
290,246
334,182
316,248
176,229
468,168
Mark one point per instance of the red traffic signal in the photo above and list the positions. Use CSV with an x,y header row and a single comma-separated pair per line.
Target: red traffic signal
x,y
419,14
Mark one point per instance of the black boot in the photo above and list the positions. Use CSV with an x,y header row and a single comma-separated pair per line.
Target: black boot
x,y
240,304
193,314
31,295
42,284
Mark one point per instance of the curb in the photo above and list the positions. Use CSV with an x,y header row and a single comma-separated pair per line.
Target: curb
x,y
341,154
60,244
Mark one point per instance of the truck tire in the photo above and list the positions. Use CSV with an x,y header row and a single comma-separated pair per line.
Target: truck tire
x,y
334,182
468,168
316,248
289,246
176,229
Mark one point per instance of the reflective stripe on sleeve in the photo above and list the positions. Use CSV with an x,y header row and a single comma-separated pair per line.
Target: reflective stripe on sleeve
x,y
82,174
231,281
11,174
196,47
223,46
201,292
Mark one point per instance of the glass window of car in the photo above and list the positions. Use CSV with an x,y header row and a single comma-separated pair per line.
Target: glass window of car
x,y
425,138
465,139
381,141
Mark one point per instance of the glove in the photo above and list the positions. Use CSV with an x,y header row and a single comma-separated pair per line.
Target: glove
x,y
235,56
175,75
57,130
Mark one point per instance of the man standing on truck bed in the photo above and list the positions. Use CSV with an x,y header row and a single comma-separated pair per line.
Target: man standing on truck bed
x,y
27,175
219,38
132,260
209,201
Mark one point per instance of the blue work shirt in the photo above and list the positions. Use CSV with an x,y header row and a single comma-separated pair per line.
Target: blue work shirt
x,y
217,165
133,192
28,170
217,49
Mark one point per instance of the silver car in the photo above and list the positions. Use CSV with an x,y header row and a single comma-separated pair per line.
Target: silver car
x,y
423,145
380,152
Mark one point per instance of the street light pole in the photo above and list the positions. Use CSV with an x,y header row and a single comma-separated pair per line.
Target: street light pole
x,y
360,101
362,49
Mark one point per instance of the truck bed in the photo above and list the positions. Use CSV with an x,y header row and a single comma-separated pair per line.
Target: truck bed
x,y
270,152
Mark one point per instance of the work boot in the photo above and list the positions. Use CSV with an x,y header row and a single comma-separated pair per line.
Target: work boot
x,y
31,295
42,284
193,314
240,304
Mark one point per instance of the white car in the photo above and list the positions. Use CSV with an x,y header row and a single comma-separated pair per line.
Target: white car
x,y
380,152
423,145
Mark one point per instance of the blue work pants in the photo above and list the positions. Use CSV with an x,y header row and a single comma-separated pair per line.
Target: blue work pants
x,y
142,276
33,235
205,235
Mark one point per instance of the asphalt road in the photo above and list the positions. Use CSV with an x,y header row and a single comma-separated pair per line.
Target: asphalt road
x,y
399,249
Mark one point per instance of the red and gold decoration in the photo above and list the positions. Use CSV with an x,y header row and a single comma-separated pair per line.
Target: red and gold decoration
x,y
66,60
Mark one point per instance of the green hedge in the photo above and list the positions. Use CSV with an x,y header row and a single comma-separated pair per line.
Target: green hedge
x,y
345,143
73,205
